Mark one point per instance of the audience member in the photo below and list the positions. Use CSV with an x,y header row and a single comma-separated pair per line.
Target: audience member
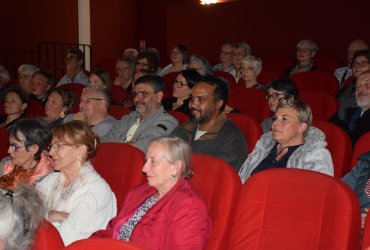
x,y
182,86
15,103
283,88
78,201
306,50
58,105
209,131
166,212
343,73
42,84
94,104
74,63
25,73
239,52
100,79
250,68
130,53
226,60
4,77
179,60
147,60
20,217
357,119
291,143
27,160
149,121
125,69
200,64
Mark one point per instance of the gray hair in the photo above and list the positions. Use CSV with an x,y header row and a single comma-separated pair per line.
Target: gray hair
x,y
177,150
130,62
4,75
27,69
302,109
100,92
256,61
206,67
21,215
243,46
313,46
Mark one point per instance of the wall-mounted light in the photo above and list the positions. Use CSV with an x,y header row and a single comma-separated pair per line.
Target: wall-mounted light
x,y
208,1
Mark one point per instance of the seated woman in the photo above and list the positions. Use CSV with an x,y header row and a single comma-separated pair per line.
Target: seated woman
x,y
100,79
147,60
166,212
20,217
78,201
15,104
306,50
292,143
250,68
27,160
179,60
182,86
200,64
280,88
58,105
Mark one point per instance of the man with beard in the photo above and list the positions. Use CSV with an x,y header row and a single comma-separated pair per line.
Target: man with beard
x,y
209,131
149,120
357,119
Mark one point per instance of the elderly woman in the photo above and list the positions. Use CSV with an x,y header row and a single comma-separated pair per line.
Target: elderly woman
x,y
166,212
283,88
250,68
182,86
306,50
100,79
292,143
179,60
239,52
27,160
25,72
58,105
77,199
15,104
21,215
200,64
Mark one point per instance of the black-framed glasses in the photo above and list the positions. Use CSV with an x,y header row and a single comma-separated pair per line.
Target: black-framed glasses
x,y
15,147
57,145
141,94
275,96
179,83
360,64
88,100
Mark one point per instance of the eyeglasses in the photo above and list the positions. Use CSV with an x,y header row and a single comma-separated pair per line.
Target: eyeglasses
x,y
88,100
57,145
141,94
14,147
360,64
243,70
304,50
274,96
180,83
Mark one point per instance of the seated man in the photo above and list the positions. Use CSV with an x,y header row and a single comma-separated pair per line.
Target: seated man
x,y
226,60
209,131
149,120
25,72
42,84
94,104
74,68
357,119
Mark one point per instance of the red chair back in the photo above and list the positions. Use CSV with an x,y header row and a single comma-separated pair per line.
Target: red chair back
x,y
118,111
75,87
109,64
169,79
4,142
118,94
277,64
266,76
339,145
35,109
295,209
47,238
102,243
252,131
317,100
181,117
251,102
327,64
362,146
219,185
227,76
120,165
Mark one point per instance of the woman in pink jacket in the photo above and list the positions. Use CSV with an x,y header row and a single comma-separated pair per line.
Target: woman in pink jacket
x,y
166,212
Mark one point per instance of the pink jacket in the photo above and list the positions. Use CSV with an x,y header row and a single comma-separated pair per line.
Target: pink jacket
x,y
177,221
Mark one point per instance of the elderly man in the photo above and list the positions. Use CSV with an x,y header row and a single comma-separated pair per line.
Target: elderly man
x,y
74,68
209,131
239,52
345,72
357,119
94,104
226,59
149,120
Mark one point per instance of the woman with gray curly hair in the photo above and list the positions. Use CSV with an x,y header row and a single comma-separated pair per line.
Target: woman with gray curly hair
x,y
20,217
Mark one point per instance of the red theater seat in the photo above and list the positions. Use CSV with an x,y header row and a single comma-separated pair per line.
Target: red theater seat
x,y
102,243
47,238
181,117
226,76
362,146
322,105
118,111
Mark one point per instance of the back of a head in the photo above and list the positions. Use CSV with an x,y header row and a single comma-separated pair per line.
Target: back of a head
x,y
191,76
285,85
157,82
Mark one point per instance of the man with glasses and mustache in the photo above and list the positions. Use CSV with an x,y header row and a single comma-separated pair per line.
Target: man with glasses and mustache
x,y
209,131
74,68
149,120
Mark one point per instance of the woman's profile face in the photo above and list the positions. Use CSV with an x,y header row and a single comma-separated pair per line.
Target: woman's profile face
x,y
64,154
13,104
17,150
176,56
180,89
54,106
273,99
286,128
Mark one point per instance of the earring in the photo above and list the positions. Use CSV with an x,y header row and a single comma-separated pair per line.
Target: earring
x,y
62,115
172,177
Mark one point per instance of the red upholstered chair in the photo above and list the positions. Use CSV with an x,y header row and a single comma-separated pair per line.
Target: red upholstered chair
x,y
118,94
267,76
362,146
109,64
102,243
4,142
47,238
251,102
226,76
295,209
316,80
120,165
366,235
219,185
252,131
75,87
277,64
117,111
339,145
327,64
35,109
181,117
2,111
322,105
169,79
